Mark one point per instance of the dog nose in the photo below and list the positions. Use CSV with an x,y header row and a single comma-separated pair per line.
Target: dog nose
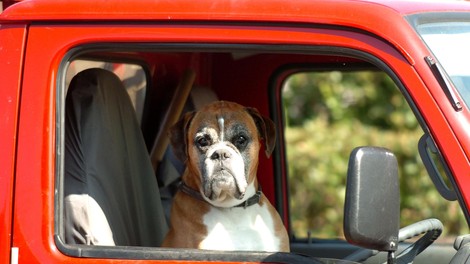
x,y
221,154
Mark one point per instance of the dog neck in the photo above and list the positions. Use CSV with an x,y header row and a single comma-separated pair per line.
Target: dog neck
x,y
197,195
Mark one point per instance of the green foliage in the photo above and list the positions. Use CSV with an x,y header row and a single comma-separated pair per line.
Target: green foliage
x,y
328,115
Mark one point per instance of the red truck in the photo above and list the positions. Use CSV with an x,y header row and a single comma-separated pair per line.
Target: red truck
x,y
174,56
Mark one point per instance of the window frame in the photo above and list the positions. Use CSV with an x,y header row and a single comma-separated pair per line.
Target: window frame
x,y
279,160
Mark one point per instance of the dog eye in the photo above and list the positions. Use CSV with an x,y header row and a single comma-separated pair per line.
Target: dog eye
x,y
203,141
240,141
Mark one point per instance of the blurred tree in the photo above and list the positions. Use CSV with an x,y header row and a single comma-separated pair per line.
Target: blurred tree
x,y
330,113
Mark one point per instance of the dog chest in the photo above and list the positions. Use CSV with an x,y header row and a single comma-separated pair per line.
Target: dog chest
x,y
250,228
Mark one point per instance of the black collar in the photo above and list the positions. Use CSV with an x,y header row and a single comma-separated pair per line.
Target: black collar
x,y
195,194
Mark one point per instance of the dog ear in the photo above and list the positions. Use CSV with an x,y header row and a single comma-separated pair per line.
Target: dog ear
x,y
178,136
266,129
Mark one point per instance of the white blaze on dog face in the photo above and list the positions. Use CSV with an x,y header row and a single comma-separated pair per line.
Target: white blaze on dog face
x,y
225,151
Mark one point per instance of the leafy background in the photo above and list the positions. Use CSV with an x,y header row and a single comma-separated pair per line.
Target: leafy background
x,y
330,113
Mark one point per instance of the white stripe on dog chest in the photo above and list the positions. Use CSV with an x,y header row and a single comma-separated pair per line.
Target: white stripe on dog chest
x,y
240,229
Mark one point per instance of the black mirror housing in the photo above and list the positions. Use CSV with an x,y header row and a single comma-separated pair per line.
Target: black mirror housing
x,y
372,205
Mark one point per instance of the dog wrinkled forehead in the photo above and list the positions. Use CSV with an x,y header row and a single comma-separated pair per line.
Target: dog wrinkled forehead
x,y
222,116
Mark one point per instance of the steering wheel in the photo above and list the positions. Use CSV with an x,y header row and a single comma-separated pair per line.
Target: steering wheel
x,y
431,228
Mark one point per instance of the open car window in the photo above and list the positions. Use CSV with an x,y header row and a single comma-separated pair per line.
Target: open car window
x,y
331,103
328,112
111,115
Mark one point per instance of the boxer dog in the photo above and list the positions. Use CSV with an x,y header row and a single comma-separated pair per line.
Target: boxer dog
x,y
219,204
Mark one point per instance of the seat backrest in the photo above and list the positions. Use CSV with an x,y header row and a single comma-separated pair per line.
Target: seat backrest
x,y
111,193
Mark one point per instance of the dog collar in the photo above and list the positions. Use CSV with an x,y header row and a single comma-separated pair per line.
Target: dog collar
x,y
195,194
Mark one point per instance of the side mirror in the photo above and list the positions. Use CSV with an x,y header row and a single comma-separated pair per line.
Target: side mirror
x,y
372,206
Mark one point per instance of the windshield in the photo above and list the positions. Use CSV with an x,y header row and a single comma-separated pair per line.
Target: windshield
x,y
450,44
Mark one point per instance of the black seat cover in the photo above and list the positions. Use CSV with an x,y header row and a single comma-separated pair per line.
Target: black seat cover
x,y
111,193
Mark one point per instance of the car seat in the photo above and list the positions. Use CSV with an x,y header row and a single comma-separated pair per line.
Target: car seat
x,y
111,195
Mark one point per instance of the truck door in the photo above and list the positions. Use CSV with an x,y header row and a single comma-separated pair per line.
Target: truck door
x,y
12,37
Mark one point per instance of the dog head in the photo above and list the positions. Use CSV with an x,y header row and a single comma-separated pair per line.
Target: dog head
x,y
220,145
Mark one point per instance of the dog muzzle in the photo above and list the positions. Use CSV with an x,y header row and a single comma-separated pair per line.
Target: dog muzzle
x,y
224,174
